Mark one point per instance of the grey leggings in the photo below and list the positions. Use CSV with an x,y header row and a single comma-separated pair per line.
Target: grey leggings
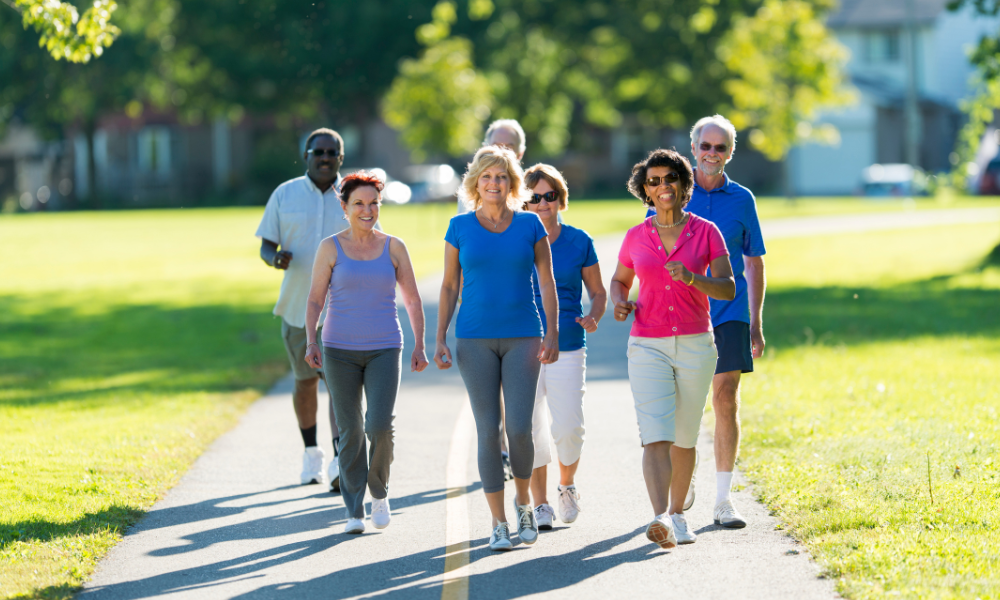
x,y
484,363
348,372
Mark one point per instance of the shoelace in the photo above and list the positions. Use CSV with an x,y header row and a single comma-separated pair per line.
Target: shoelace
x,y
501,532
524,518
569,497
544,509
379,508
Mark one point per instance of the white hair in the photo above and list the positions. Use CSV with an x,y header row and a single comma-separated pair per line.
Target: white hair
x,y
510,125
719,121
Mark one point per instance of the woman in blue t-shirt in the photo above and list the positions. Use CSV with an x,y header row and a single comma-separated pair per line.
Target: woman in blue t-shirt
x,y
496,249
561,386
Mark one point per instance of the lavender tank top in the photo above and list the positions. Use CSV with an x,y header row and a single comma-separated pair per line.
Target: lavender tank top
x,y
361,305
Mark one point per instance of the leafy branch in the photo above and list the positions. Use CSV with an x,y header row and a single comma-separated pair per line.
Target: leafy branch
x,y
65,33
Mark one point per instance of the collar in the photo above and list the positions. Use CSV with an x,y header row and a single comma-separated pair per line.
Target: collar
x,y
724,188
335,187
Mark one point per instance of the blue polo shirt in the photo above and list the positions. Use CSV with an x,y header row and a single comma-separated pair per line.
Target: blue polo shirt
x,y
497,296
733,209
572,251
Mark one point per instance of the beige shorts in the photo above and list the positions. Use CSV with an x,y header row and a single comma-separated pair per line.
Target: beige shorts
x,y
670,379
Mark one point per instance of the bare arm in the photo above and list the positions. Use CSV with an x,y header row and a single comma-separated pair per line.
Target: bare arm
x,y
411,299
550,301
621,285
270,254
326,257
598,297
450,287
756,286
721,286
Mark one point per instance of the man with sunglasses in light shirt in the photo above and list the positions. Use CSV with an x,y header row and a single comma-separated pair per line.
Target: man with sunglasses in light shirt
x,y
737,323
300,214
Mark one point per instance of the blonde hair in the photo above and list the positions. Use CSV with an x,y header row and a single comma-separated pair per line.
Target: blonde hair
x,y
486,158
553,177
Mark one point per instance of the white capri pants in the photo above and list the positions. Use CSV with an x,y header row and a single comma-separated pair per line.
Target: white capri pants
x,y
670,379
561,387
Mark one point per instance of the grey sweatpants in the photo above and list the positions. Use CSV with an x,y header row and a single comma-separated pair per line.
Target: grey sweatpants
x,y
348,372
484,364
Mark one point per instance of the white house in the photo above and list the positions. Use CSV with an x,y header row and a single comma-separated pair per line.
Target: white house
x,y
874,129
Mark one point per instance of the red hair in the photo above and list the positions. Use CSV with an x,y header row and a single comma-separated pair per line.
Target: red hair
x,y
360,179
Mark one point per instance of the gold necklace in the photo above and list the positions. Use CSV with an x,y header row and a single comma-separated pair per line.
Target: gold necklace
x,y
681,222
500,222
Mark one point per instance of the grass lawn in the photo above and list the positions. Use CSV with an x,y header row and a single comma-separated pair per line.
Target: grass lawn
x,y
872,427
130,340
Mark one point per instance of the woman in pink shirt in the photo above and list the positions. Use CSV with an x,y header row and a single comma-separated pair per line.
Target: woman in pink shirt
x,y
671,351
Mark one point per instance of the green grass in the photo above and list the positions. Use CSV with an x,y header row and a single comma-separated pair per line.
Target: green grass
x,y
881,387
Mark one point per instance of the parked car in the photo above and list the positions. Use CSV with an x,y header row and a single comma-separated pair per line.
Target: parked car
x,y
989,181
432,183
893,180
395,192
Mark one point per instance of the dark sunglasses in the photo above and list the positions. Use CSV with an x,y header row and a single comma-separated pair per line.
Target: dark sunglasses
x,y
668,178
321,152
547,196
720,148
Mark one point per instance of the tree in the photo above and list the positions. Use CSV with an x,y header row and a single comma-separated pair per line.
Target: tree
x,y
786,67
64,32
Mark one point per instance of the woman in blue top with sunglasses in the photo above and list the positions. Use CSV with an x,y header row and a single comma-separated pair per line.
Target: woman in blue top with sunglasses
x,y
562,385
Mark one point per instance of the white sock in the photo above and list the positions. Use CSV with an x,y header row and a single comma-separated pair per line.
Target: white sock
x,y
723,485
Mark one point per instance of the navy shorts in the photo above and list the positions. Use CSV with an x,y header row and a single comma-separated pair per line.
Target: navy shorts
x,y
732,340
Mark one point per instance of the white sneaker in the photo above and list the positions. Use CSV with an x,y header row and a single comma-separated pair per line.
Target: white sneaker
x,y
312,465
381,514
543,516
569,503
681,531
660,531
689,499
500,538
726,515
527,527
333,474
355,526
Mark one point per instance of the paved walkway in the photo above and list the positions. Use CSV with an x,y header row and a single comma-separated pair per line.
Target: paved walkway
x,y
239,525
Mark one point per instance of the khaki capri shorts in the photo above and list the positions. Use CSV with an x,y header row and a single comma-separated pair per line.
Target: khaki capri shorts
x,y
670,379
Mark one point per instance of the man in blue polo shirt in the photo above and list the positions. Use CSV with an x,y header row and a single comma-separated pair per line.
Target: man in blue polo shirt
x,y
738,326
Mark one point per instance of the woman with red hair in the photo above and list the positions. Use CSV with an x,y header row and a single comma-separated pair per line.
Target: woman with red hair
x,y
355,275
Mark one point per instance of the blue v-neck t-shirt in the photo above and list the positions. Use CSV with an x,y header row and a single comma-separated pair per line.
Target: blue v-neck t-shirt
x,y
571,252
497,296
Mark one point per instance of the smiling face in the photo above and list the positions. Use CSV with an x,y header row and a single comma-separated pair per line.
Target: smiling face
x,y
544,209
493,185
710,161
666,196
362,207
324,169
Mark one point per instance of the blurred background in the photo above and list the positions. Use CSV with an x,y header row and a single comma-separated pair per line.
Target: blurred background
x,y
153,103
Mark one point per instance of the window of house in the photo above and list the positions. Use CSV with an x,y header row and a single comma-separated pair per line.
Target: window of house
x,y
154,150
882,46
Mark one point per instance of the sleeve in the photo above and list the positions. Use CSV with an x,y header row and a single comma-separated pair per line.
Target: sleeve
x,y
451,236
716,243
590,258
625,254
753,240
270,225
539,228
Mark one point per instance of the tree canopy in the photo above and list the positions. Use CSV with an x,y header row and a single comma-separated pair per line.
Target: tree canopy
x,y
64,32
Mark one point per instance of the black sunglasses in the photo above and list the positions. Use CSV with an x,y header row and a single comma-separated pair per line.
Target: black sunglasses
x,y
547,196
320,152
720,148
668,178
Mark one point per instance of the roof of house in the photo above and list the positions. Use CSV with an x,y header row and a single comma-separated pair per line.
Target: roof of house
x,y
882,13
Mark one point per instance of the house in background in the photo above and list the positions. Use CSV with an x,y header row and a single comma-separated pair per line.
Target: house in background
x,y
874,129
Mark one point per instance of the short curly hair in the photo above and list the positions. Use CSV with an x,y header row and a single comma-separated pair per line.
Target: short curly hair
x,y
488,157
360,179
553,177
661,158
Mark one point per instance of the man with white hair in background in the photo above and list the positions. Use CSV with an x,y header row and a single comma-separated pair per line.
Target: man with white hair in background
x,y
502,132
737,323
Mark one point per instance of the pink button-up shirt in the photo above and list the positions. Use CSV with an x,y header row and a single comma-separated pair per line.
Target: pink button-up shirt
x,y
667,307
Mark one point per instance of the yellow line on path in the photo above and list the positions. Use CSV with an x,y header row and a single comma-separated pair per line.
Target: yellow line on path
x,y
456,562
